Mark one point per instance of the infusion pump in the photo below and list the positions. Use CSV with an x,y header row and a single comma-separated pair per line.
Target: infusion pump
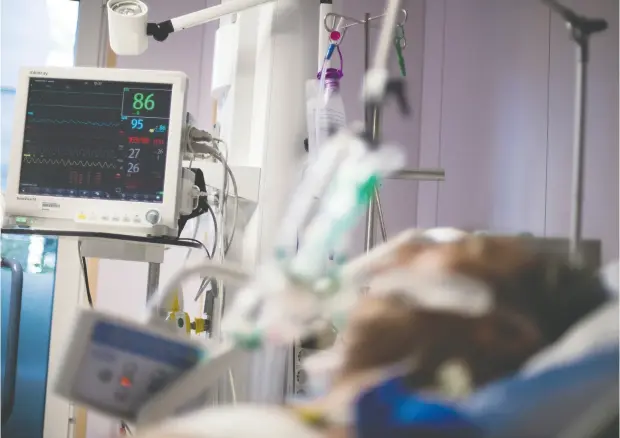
x,y
98,150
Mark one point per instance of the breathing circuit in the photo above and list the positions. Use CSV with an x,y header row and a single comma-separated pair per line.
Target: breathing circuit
x,y
288,297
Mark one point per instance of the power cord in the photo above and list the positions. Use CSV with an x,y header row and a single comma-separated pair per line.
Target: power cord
x,y
209,280
215,229
86,283
203,246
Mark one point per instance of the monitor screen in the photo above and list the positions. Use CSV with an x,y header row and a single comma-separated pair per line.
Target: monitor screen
x,y
95,139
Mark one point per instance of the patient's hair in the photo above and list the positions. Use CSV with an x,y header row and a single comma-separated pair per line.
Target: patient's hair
x,y
537,298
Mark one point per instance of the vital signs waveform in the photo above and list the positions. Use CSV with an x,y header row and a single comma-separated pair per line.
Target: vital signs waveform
x,y
76,122
63,162
56,152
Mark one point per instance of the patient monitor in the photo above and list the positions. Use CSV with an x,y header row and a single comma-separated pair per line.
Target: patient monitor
x,y
97,150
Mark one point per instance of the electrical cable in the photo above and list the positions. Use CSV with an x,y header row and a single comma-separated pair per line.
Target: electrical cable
x,y
215,228
207,280
220,141
228,242
86,283
194,235
236,209
198,242
85,275
217,155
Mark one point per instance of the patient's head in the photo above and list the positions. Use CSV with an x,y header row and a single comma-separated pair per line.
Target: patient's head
x,y
532,300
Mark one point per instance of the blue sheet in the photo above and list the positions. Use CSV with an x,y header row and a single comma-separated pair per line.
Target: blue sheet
x,y
538,406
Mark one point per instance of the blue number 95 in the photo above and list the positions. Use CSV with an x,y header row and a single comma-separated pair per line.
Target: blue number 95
x,y
137,124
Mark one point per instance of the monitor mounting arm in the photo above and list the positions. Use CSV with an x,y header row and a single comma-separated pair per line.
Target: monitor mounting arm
x,y
161,31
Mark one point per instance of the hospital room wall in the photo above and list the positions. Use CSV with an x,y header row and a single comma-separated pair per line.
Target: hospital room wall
x,y
497,114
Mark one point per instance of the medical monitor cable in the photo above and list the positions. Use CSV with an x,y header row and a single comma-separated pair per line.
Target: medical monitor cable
x,y
202,245
217,155
209,280
85,275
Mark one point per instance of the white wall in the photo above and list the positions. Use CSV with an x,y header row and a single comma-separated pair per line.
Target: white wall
x,y
497,114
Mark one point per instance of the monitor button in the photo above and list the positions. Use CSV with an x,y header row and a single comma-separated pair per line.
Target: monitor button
x,y
105,376
152,217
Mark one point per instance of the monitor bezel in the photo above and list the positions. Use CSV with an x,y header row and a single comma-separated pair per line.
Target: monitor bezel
x,y
69,208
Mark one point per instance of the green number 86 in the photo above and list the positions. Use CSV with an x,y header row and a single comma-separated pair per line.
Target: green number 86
x,y
142,102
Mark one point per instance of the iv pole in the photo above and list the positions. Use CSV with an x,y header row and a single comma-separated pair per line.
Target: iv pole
x,y
581,28
372,119
372,126
377,87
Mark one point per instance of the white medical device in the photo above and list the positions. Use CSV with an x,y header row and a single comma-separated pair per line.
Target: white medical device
x,y
129,30
115,366
97,150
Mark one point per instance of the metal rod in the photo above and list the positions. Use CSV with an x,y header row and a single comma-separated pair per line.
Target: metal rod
x,y
380,216
354,21
382,51
337,19
325,9
375,201
576,220
370,120
152,281
581,29
368,112
419,175
369,240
